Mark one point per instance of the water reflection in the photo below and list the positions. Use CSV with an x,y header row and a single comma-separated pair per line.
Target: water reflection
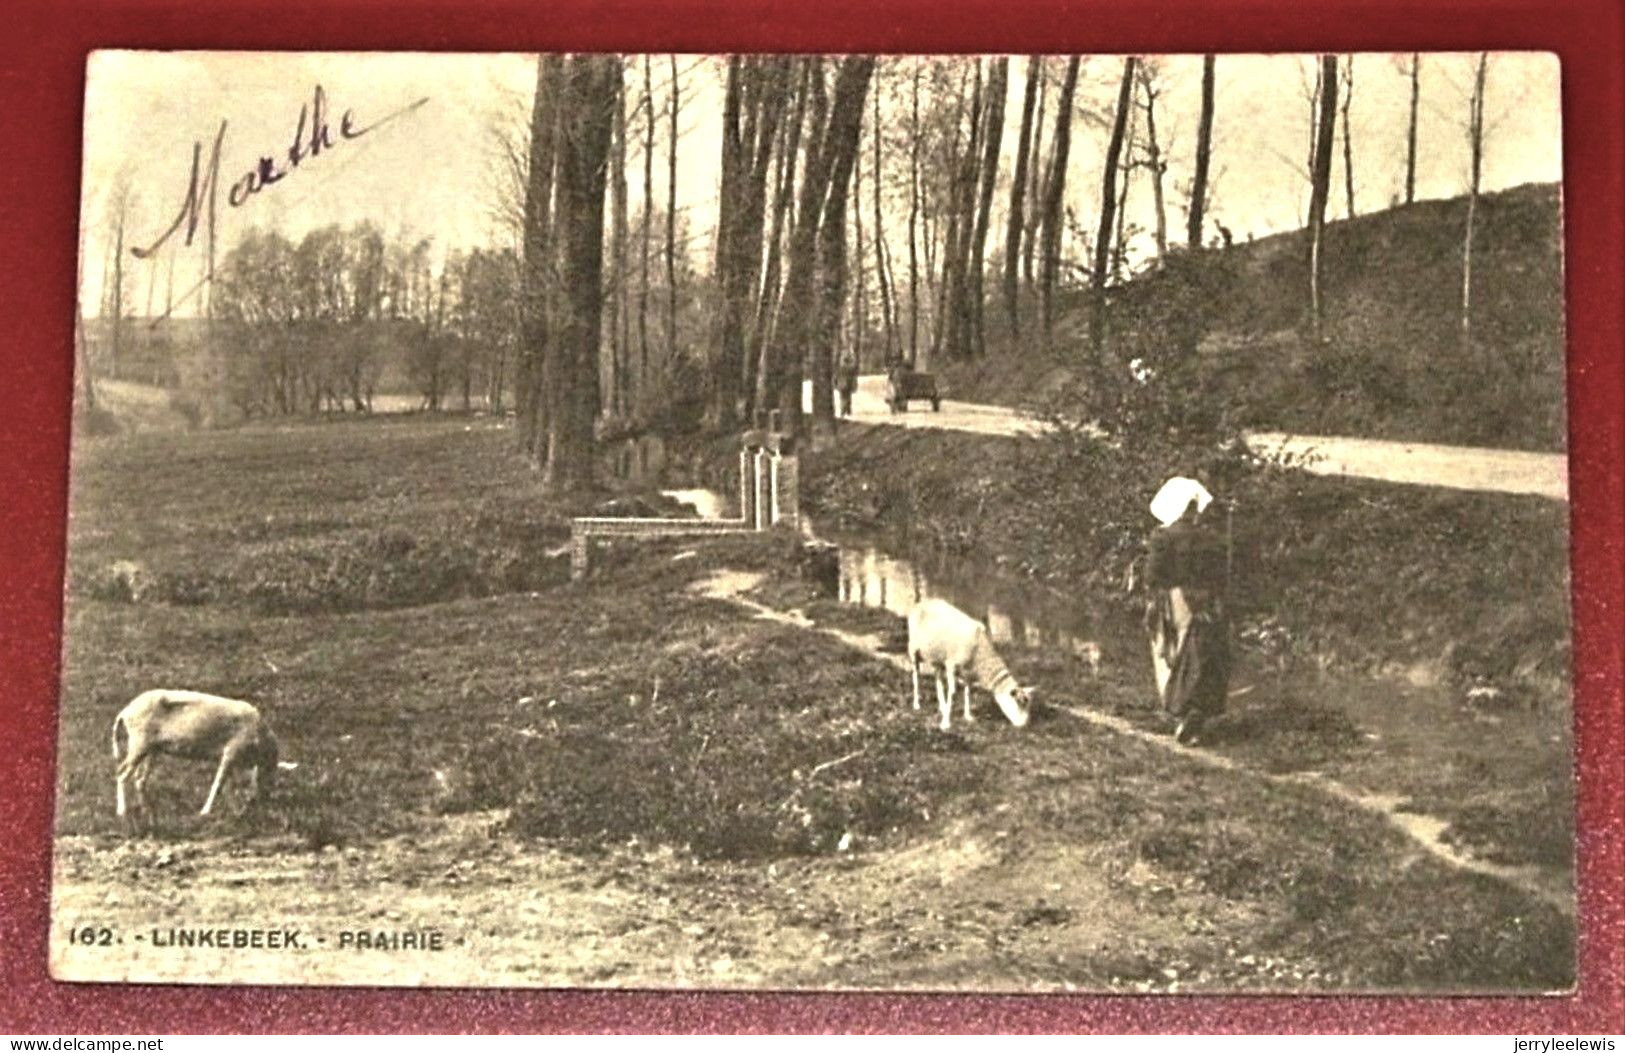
x,y
871,578
1033,616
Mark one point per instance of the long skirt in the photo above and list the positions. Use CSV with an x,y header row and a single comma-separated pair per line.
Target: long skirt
x,y
1190,653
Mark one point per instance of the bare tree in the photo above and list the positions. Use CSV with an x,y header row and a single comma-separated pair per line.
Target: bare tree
x,y
1348,148
992,140
1036,168
536,389
1320,187
1204,156
648,211
1410,134
589,97
953,300
882,264
1126,166
671,217
1054,191
840,148
729,263
1018,188
860,287
759,384
116,281
1153,160
754,105
1108,203
913,223
1475,143
620,399
87,383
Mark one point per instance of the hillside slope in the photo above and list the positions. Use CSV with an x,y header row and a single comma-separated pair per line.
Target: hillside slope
x,y
1393,364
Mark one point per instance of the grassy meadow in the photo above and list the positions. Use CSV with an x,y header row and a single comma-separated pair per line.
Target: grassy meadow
x,y
392,593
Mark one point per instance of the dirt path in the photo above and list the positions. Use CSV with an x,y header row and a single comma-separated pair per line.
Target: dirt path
x,y
957,910
1424,464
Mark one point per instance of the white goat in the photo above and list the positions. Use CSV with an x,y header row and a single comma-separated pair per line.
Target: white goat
x,y
958,649
196,726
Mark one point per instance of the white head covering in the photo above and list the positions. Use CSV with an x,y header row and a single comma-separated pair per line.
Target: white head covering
x,y
1175,496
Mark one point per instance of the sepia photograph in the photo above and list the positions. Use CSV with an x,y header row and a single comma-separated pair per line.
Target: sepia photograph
x,y
980,523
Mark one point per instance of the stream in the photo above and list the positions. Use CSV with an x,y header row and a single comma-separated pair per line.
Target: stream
x,y
1409,726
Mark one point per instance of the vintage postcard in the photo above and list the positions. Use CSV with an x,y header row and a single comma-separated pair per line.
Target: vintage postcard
x,y
1009,523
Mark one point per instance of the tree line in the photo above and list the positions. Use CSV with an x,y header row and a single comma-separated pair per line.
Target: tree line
x,y
312,326
866,207
795,258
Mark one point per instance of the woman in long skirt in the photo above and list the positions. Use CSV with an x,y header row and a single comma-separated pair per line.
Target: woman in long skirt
x,y
1187,618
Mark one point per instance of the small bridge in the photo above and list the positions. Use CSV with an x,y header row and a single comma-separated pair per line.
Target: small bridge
x,y
769,484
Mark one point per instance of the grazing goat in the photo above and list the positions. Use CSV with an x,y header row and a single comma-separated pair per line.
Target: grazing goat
x,y
196,726
958,649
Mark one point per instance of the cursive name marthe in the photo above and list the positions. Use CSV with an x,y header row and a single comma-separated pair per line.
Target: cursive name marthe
x,y
313,136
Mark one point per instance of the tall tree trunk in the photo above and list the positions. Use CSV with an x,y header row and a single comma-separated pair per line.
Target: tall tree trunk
x,y
1410,133
1036,192
730,274
881,268
1475,137
840,149
992,140
894,339
535,388
913,225
860,292
1018,190
1320,190
621,399
953,335
648,211
117,357
773,82
1125,168
583,150
81,343
784,364
1054,191
1103,239
1204,154
671,219
762,345
1348,147
1153,159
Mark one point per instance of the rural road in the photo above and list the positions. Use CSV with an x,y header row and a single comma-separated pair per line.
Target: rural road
x,y
1417,463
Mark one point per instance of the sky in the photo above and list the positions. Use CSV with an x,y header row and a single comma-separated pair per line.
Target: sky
x,y
432,170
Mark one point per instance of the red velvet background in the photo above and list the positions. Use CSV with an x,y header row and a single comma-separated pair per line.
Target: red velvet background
x,y
41,99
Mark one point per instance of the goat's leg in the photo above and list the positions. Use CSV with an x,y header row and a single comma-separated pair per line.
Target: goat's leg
x,y
916,658
964,685
945,703
139,813
228,759
124,780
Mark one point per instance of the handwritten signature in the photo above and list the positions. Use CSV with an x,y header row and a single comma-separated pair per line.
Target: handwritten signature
x,y
312,137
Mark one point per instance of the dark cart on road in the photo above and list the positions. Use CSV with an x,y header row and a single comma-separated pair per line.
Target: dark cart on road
x,y
904,385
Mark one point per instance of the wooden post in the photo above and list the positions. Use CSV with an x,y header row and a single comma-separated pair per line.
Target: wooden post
x,y
747,486
580,553
786,480
764,498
